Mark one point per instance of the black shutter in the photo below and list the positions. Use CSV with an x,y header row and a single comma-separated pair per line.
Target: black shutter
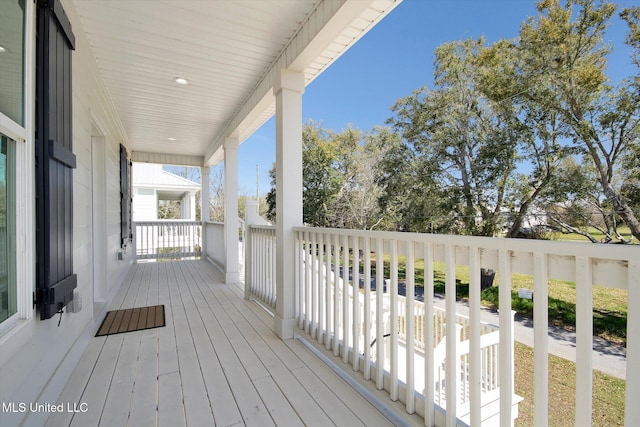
x,y
55,160
125,197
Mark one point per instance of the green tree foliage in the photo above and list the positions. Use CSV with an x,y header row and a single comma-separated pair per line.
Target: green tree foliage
x,y
461,149
560,69
340,186
324,160
495,133
541,134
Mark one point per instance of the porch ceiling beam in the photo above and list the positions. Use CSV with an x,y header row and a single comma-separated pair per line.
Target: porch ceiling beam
x,y
167,159
329,30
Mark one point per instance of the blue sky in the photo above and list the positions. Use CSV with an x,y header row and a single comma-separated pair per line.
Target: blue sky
x,y
394,59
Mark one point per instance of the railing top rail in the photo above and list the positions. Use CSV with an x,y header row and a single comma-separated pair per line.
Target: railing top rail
x,y
592,250
165,221
262,227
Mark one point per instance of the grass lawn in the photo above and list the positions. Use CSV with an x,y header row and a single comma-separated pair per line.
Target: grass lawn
x,y
624,231
609,306
608,392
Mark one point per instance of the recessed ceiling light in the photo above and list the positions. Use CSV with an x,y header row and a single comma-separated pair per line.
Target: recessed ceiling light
x,y
171,139
3,49
181,81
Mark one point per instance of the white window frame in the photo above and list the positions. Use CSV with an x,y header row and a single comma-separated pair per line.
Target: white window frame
x,y
24,187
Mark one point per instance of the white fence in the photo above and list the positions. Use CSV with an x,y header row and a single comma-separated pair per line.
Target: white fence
x,y
336,319
167,239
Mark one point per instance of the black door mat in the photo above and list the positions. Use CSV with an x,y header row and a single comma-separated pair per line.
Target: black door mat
x,y
132,319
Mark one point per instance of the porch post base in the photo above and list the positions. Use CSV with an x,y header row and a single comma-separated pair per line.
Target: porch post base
x,y
284,327
231,278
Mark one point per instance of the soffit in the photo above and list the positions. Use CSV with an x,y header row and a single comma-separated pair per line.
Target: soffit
x,y
230,51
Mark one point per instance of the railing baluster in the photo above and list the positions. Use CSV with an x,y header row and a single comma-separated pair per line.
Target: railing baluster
x,y
328,287
452,362
266,266
367,309
409,326
506,331
584,341
541,339
321,274
309,286
393,315
379,314
474,329
429,330
345,299
355,288
314,284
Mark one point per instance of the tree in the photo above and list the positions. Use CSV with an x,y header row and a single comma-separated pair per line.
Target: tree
x,y
340,187
323,162
460,145
562,70
168,209
322,177
357,204
541,150
216,193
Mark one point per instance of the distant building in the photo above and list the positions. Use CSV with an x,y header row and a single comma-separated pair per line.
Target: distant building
x,y
153,186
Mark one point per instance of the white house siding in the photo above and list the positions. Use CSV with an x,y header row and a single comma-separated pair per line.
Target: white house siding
x,y
188,206
37,357
145,204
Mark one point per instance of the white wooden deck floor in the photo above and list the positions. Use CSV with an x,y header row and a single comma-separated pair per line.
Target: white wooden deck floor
x,y
217,362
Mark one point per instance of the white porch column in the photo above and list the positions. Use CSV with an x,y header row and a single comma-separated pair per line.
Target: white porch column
x,y
288,90
204,205
204,193
232,271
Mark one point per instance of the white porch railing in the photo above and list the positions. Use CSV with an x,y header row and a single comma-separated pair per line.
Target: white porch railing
x,y
214,242
349,320
260,265
167,239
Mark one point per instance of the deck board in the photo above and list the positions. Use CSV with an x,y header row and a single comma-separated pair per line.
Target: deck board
x,y
145,387
216,362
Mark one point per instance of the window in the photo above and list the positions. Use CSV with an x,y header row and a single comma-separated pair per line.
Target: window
x,y
12,59
126,235
8,298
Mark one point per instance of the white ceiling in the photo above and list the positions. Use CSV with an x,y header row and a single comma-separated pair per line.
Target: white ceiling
x,y
226,49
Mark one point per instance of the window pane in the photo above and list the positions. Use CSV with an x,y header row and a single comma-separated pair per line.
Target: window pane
x,y
7,228
12,59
